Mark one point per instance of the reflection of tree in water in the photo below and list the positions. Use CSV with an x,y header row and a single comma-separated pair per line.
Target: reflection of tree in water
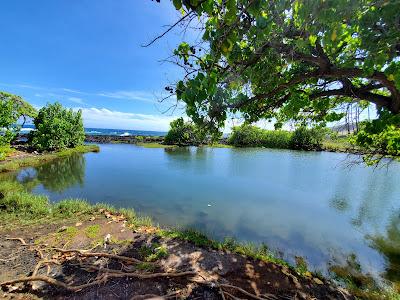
x,y
389,246
62,173
339,203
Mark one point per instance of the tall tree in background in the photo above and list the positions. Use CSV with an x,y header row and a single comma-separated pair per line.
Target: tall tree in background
x,y
295,60
12,109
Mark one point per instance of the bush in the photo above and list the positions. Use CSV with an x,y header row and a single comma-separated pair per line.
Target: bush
x,y
57,128
252,136
184,133
304,138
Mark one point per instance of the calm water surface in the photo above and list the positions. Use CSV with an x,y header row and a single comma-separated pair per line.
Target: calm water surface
x,y
303,203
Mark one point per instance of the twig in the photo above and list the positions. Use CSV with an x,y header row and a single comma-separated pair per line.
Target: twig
x,y
168,30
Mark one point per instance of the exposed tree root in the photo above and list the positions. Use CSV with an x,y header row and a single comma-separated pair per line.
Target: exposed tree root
x,y
99,254
104,273
102,279
18,239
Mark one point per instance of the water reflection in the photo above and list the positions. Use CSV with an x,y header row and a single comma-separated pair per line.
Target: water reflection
x,y
389,246
55,176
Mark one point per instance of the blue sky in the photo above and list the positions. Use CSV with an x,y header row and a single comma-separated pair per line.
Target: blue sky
x,y
87,54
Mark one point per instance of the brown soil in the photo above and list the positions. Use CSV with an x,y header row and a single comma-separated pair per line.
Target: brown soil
x,y
213,268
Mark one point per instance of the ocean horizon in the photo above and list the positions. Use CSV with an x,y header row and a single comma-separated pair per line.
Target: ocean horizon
x,y
108,131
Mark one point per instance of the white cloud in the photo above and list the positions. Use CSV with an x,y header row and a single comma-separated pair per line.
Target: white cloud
x,y
130,95
105,118
76,100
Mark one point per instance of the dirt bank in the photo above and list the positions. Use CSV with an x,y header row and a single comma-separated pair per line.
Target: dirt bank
x,y
137,264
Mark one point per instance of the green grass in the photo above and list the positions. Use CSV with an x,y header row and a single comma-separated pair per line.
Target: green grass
x,y
155,145
199,239
92,231
70,207
338,144
35,160
5,151
153,253
219,145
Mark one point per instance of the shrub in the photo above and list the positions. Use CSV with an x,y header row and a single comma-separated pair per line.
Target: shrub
x,y
304,138
57,128
184,133
252,136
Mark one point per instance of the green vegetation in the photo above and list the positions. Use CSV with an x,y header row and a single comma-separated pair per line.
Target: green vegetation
x,y
380,137
71,207
12,108
153,252
35,160
252,136
183,133
302,138
154,145
301,61
199,239
57,128
5,151
92,231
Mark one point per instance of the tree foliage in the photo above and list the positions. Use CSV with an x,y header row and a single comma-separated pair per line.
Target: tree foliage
x,y
184,133
57,128
289,60
381,137
12,108
252,136
304,138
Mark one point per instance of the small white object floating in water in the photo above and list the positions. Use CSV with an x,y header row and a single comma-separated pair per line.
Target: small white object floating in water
x,y
125,134
209,205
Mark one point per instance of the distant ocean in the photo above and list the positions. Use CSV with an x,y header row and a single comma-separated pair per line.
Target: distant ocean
x,y
106,131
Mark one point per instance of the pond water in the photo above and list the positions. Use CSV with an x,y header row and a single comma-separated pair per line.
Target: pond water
x,y
308,204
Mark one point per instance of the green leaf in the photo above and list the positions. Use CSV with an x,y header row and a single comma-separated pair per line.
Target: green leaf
x,y
177,4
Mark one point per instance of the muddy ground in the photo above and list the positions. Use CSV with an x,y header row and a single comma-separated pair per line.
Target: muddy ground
x,y
210,274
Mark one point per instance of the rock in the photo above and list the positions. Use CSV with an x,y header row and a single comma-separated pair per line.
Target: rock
x,y
63,228
78,224
107,240
92,218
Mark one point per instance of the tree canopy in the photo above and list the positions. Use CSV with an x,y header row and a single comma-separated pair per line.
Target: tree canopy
x,y
289,59
12,108
57,128
184,133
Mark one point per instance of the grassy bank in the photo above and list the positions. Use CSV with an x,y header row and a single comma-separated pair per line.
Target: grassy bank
x,y
31,160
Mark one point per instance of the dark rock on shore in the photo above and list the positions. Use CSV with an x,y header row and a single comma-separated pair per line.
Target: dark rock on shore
x,y
131,139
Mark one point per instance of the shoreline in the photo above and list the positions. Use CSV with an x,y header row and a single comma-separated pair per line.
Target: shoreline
x,y
157,142
75,224
22,158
